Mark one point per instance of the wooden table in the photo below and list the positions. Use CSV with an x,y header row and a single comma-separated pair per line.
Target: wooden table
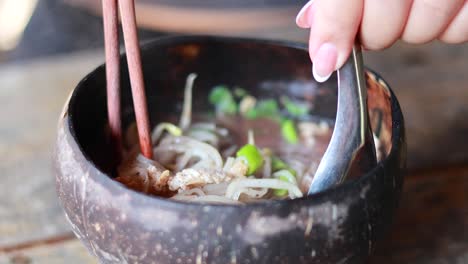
x,y
432,223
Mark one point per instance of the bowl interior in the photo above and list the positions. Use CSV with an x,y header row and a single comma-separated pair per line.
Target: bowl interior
x,y
266,69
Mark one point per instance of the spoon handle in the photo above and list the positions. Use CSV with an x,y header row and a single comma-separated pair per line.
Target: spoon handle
x,y
351,148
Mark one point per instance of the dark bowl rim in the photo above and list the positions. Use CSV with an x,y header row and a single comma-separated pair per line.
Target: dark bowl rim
x,y
317,198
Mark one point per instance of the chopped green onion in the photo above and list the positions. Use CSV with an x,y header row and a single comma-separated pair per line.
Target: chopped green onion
x,y
251,113
294,109
227,106
288,130
263,108
284,175
267,107
239,92
222,98
218,93
277,165
252,156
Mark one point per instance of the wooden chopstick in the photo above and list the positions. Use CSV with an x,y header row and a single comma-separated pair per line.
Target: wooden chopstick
x,y
127,11
111,43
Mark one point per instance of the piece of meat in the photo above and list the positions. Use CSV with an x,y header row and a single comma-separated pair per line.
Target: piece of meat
x,y
144,175
190,178
239,168
236,166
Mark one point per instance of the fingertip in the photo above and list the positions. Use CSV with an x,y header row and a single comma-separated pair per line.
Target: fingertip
x,y
303,18
335,23
324,62
318,77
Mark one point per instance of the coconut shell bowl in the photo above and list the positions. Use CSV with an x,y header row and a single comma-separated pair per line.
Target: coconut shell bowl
x,y
339,225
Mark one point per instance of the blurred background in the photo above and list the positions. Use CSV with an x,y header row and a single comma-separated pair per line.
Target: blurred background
x,y
37,28
47,46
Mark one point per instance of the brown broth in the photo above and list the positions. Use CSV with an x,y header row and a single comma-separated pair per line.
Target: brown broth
x,y
267,134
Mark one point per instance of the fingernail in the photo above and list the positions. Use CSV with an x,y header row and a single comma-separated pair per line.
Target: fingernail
x,y
324,62
303,20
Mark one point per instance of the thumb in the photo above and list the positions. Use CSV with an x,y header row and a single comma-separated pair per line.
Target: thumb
x,y
333,27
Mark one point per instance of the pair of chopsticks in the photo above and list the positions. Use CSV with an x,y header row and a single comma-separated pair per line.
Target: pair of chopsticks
x,y
132,48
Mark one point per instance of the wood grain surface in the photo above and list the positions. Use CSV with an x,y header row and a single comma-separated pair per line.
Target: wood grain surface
x,y
31,99
432,222
70,252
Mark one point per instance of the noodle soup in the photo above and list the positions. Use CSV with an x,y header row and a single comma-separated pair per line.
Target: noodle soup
x,y
247,149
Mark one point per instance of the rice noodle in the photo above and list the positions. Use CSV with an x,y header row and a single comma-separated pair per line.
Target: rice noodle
x,y
209,127
239,186
208,156
204,126
236,166
208,199
253,193
186,116
203,136
190,192
228,164
216,188
250,137
183,161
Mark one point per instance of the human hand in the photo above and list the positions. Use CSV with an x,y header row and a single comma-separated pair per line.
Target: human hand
x,y
334,24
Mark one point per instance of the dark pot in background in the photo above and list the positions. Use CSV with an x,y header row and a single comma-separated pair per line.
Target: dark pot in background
x,y
116,224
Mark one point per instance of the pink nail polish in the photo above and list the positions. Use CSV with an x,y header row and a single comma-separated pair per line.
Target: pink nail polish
x,y
303,18
324,62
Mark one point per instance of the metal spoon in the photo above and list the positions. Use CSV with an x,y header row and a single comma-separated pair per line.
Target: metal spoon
x,y
351,150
